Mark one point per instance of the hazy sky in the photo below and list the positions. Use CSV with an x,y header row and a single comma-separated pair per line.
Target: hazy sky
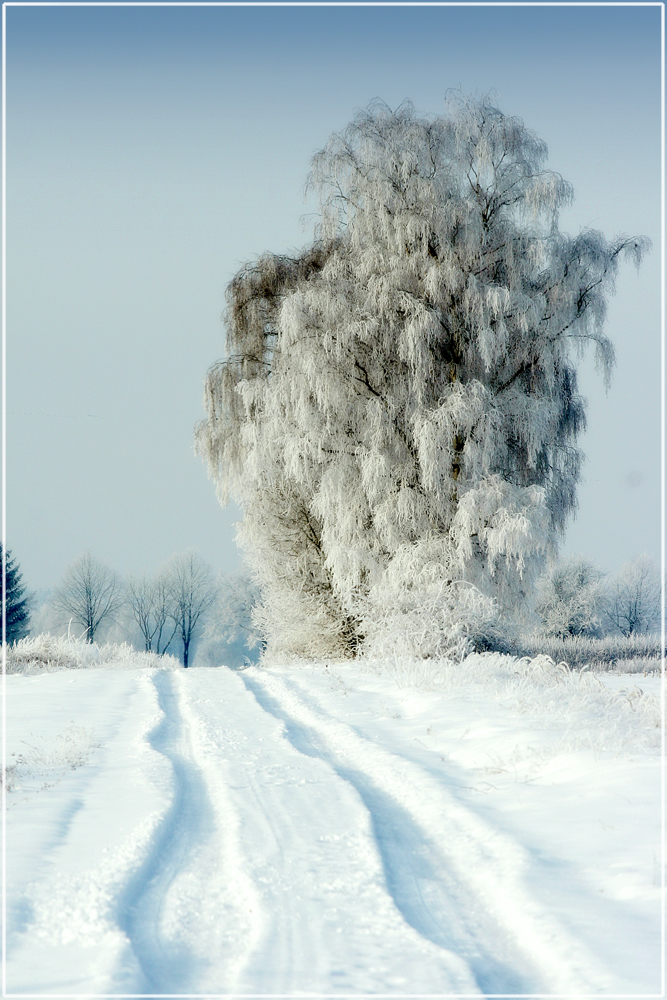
x,y
153,150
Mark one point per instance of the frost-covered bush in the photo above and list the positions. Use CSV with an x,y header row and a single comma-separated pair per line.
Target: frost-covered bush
x,y
305,624
415,610
570,600
408,381
45,653
43,763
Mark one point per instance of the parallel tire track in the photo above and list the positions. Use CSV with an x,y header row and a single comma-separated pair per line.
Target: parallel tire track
x,y
166,965
456,880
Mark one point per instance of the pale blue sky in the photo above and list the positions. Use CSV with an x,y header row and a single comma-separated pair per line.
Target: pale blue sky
x,y
153,150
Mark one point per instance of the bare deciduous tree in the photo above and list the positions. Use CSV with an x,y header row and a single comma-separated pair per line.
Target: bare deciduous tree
x,y
150,603
634,600
192,591
90,593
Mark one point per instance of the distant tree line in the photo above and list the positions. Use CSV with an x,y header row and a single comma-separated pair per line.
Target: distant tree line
x,y
577,599
181,606
170,605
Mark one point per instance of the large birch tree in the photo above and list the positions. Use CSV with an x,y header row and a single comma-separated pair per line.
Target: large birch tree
x,y
397,414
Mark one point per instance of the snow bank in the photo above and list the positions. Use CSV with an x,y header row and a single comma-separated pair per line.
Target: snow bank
x,y
44,653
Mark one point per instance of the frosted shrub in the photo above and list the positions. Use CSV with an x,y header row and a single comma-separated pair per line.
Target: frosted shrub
x,y
416,609
43,764
448,623
408,381
230,636
304,625
45,653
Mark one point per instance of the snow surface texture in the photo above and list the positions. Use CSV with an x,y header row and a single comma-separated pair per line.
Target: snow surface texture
x,y
394,829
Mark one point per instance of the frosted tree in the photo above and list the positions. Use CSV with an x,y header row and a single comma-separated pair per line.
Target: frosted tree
x,y
571,600
634,599
230,636
398,411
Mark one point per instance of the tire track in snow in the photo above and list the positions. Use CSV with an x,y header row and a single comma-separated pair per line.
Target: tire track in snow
x,y
413,869
317,911
456,880
166,964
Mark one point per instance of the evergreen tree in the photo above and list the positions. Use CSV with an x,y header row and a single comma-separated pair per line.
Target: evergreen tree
x,y
398,412
16,606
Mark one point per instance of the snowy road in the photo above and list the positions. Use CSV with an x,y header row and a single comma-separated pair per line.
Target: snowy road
x,y
289,832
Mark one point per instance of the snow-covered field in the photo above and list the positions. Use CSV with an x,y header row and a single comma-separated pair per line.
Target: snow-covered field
x,y
393,829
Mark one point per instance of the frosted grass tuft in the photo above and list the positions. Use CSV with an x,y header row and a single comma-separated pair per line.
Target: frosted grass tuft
x,y
46,653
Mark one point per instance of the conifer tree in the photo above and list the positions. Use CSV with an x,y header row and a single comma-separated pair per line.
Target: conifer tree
x,y
398,411
16,606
